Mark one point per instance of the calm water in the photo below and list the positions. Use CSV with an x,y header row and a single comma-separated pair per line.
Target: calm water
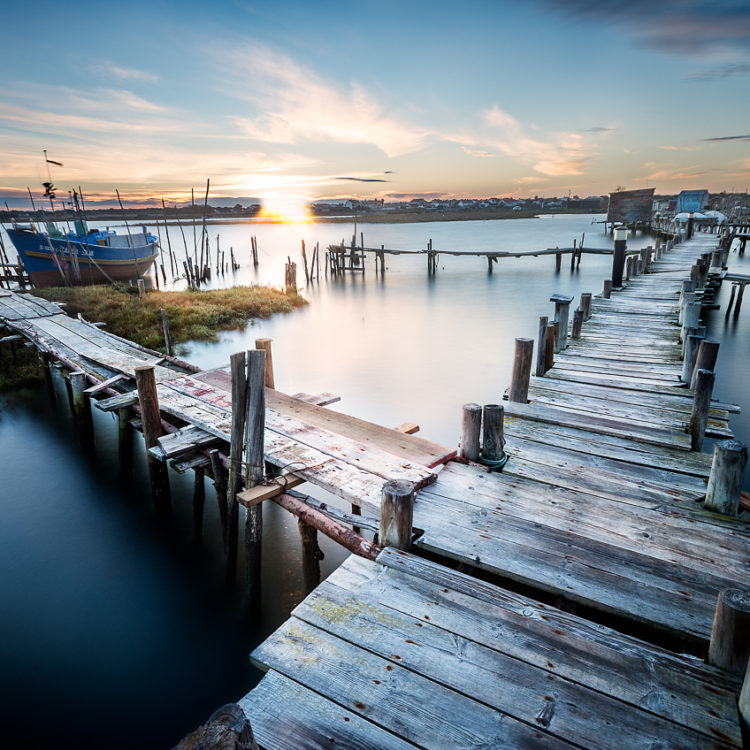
x,y
115,633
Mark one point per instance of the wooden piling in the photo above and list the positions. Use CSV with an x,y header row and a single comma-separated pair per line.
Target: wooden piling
x,y
199,500
493,433
558,261
152,430
701,405
396,514
730,635
549,350
708,352
577,323
304,262
254,473
519,381
727,474
607,291
265,345
165,329
82,408
541,347
239,412
586,305
692,344
471,424
220,485
311,555
125,441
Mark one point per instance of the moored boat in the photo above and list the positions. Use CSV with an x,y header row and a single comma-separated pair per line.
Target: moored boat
x,y
83,256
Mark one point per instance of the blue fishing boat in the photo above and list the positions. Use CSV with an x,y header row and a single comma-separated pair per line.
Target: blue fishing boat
x,y
83,256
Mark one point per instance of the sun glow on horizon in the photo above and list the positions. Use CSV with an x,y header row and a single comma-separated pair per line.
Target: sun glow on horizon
x,y
290,209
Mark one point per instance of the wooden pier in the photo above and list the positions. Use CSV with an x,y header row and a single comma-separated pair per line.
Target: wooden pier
x,y
548,604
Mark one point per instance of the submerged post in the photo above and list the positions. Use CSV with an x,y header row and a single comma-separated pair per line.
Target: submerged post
x,y
727,474
730,635
519,381
471,424
396,514
152,430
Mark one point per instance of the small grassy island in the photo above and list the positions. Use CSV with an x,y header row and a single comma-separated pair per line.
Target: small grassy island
x,y
192,315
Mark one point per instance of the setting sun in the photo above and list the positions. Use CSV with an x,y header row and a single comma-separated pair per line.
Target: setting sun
x,y
285,208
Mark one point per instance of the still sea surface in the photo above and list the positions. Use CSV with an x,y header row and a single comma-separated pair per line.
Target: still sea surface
x,y
117,633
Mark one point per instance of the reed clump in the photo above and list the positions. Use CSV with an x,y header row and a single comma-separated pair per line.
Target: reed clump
x,y
192,314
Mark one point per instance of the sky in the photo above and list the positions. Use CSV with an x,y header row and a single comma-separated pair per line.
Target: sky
x,y
296,101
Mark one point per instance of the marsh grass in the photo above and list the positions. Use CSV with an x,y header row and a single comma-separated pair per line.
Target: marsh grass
x,y
192,315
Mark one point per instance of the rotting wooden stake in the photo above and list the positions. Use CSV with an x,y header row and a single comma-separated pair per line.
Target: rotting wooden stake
x,y
607,291
586,305
577,323
730,635
265,345
152,430
470,427
727,474
311,555
549,350
519,381
239,413
708,352
493,435
541,347
701,405
692,344
396,514
165,329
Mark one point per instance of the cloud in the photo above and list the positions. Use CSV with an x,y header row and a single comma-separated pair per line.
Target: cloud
x,y
294,105
598,129
362,179
723,71
729,138
685,173
684,27
128,74
477,152
679,148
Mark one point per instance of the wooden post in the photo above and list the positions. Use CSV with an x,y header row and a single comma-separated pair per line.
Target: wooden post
x,y
199,500
311,555
701,405
220,484
239,413
165,329
471,423
556,341
541,347
519,381
577,323
396,514
558,261
125,441
727,474
141,288
692,344
607,291
586,305
549,350
265,345
692,311
708,351
562,314
82,409
254,473
152,430
730,635
493,434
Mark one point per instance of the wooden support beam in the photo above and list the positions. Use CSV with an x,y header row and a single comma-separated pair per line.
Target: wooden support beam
x,y
470,427
519,382
408,428
396,514
152,430
726,478
730,635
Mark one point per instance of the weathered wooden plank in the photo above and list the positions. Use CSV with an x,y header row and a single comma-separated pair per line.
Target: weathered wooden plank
x,y
285,715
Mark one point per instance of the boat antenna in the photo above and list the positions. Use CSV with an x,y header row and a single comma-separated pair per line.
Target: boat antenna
x,y
130,239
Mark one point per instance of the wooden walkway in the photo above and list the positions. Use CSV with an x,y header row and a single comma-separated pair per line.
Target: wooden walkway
x,y
600,504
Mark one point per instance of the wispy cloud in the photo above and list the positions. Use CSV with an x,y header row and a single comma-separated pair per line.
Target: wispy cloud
x,y
362,179
127,74
295,105
684,173
729,138
598,129
477,152
722,71
685,27
679,148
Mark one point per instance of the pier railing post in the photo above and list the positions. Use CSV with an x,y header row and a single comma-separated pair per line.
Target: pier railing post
x,y
701,406
708,352
254,473
577,323
541,347
729,647
727,474
145,380
265,345
397,514
562,315
493,436
471,424
586,305
519,381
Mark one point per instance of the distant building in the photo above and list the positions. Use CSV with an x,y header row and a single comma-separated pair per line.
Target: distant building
x,y
691,201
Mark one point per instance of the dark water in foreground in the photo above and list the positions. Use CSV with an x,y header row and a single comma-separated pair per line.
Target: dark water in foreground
x,y
116,633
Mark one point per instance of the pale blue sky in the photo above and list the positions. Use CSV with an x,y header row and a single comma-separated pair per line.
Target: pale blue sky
x,y
462,98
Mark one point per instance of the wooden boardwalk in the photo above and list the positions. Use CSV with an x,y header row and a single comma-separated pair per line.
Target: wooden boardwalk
x,y
599,504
